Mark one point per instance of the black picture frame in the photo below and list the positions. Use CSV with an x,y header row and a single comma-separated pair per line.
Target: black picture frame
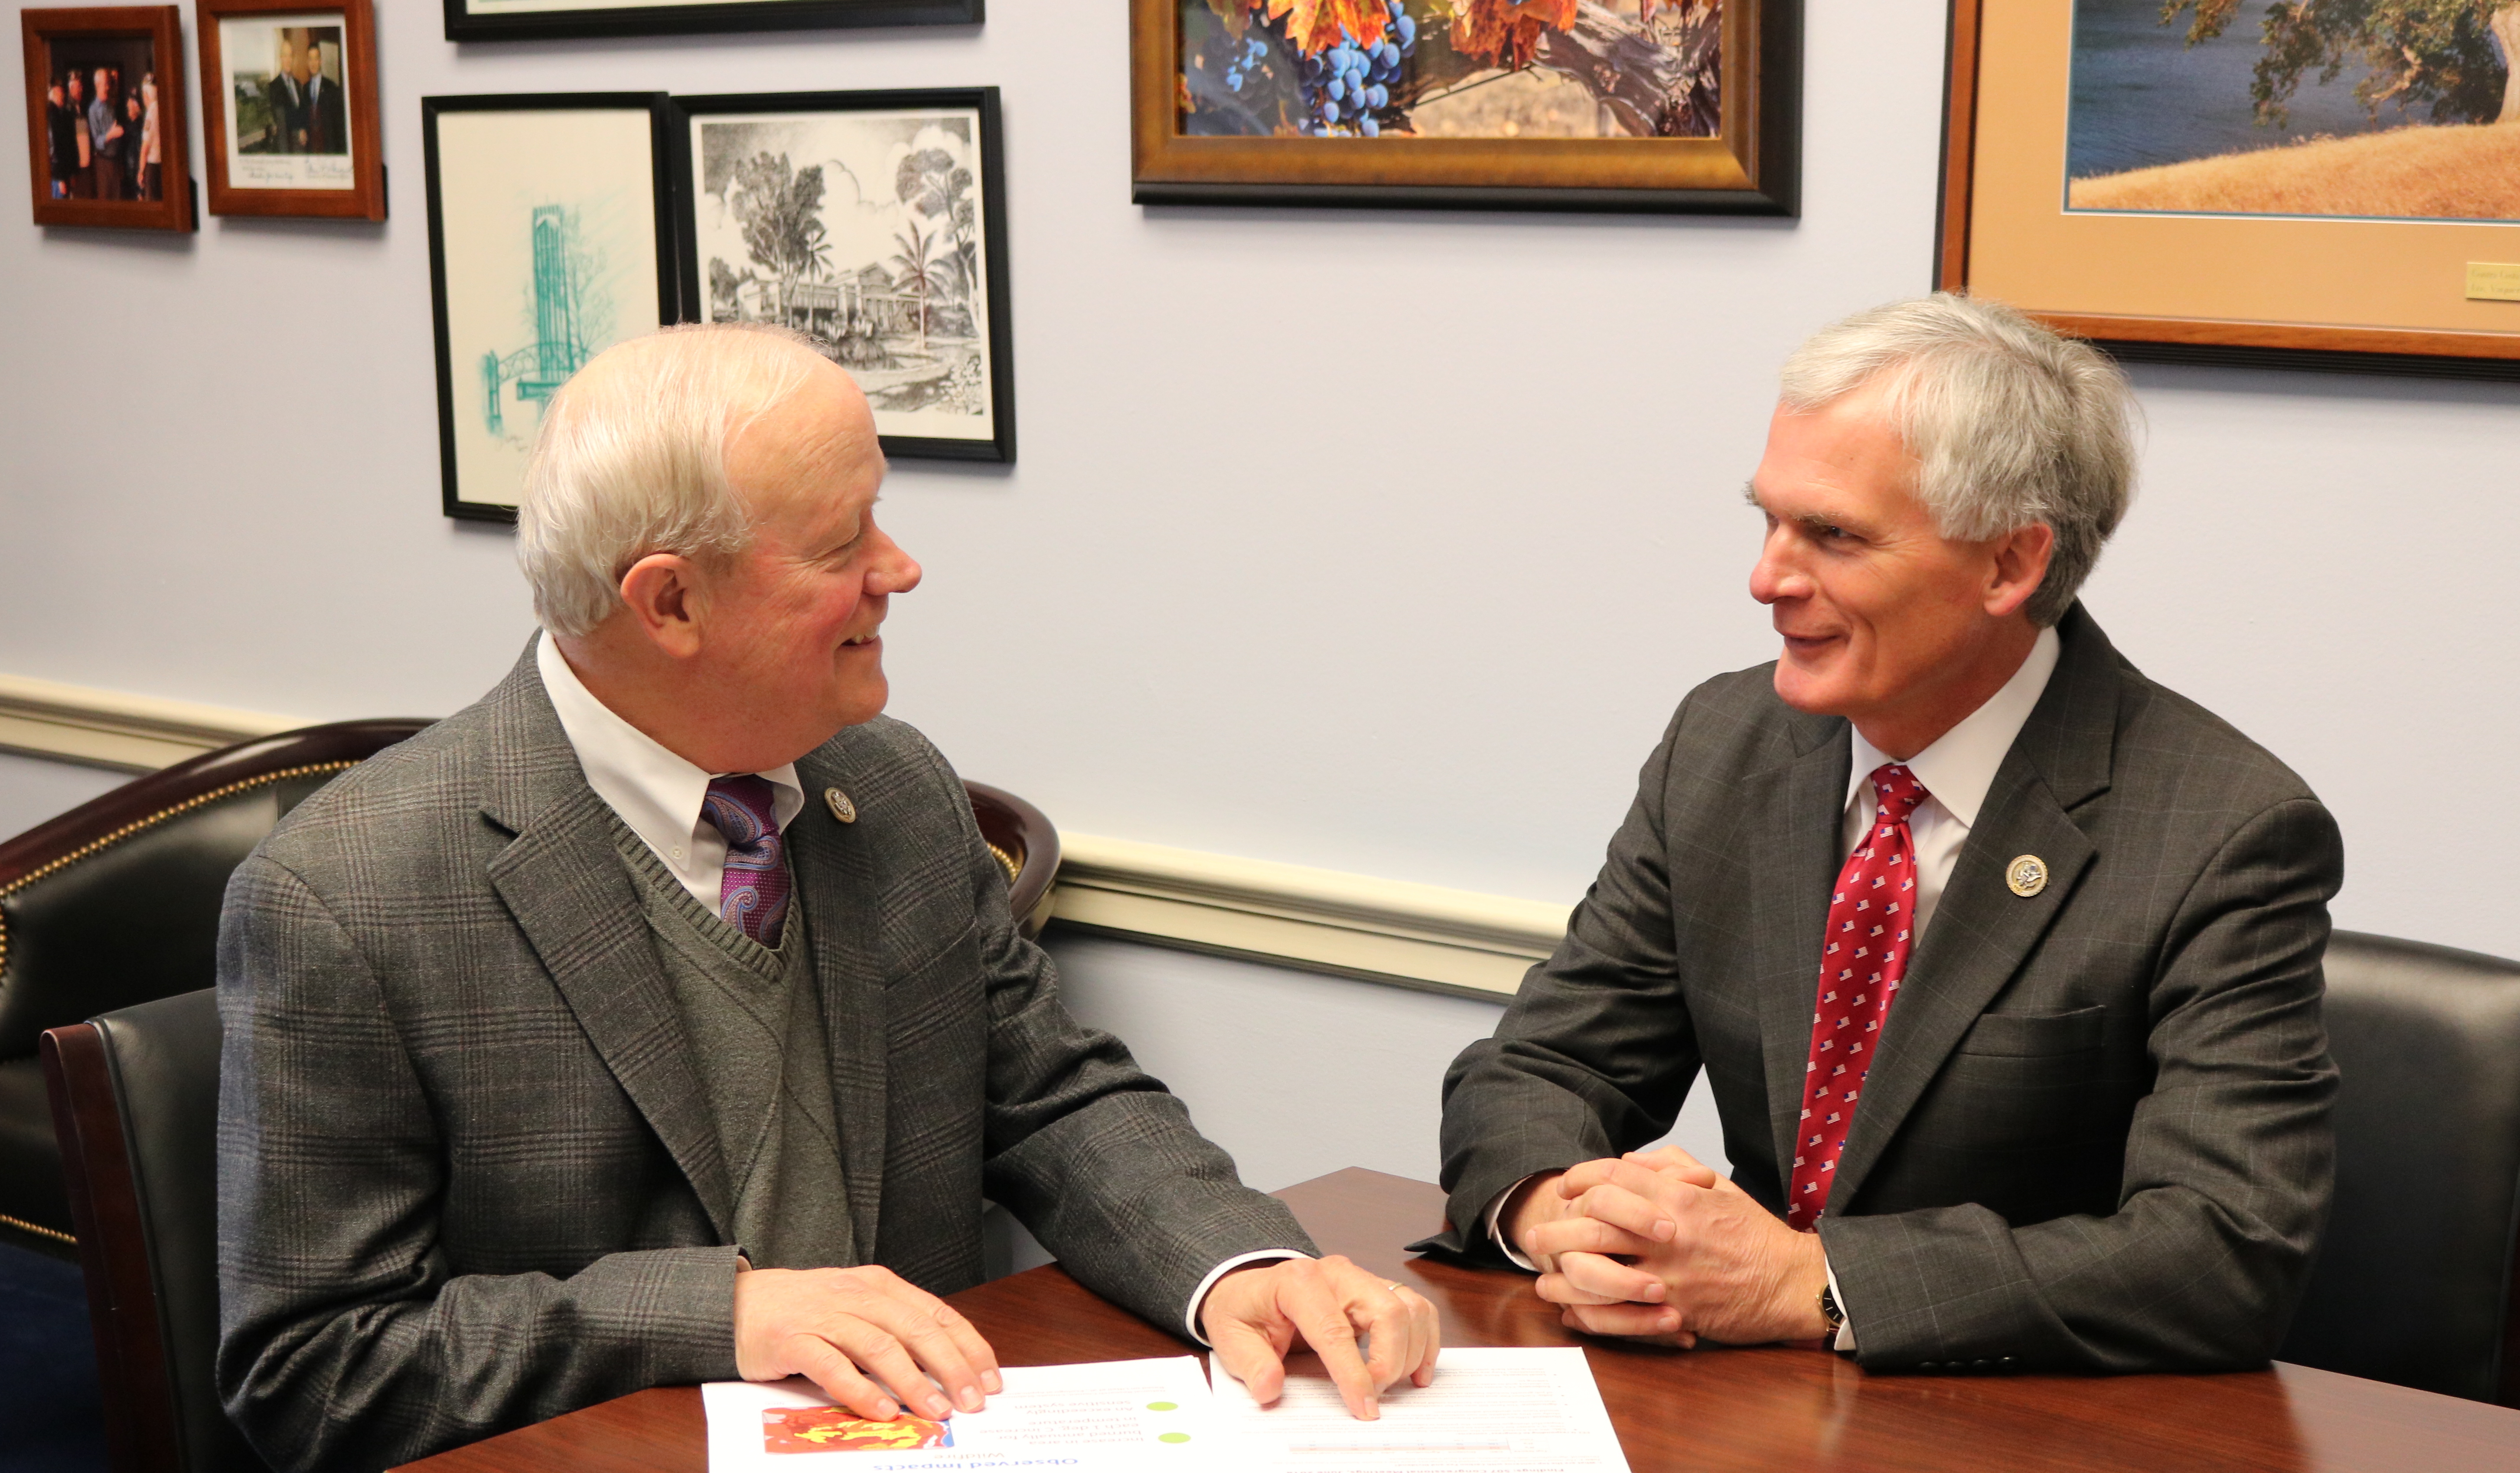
x,y
433,111
997,341
724,15
1750,163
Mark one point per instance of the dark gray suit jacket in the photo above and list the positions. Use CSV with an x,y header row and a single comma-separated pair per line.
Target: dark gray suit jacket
x,y
2096,1134
467,1175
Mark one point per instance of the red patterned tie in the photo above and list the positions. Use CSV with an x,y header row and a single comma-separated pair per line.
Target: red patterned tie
x,y
1863,957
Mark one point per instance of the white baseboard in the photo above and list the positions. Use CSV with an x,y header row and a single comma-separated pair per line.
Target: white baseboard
x,y
1354,925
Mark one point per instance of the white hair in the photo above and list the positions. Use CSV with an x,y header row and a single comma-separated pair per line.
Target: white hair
x,y
632,460
2010,425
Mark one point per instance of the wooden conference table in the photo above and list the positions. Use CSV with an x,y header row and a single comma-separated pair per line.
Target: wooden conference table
x,y
1716,1409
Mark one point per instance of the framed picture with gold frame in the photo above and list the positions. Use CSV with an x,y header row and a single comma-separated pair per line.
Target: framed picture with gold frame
x,y
104,117
1561,105
2188,182
289,107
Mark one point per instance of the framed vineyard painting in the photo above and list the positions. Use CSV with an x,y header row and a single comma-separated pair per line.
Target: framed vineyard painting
x,y
1591,105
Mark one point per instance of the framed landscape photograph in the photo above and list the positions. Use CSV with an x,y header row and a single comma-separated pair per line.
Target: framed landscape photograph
x,y
291,108
560,20
2329,186
872,222
548,243
1595,105
104,117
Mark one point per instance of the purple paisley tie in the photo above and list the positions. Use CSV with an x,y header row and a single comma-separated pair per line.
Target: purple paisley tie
x,y
753,895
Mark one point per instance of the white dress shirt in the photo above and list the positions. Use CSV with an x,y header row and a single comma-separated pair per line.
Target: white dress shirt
x,y
1957,771
658,795
655,791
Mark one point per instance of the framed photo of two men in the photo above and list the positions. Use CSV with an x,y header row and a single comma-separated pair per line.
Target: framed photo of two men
x,y
2309,185
289,100
104,117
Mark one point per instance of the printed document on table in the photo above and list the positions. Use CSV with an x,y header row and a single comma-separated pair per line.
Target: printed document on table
x,y
1130,1416
1492,1410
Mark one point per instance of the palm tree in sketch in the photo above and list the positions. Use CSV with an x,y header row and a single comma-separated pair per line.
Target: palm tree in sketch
x,y
916,268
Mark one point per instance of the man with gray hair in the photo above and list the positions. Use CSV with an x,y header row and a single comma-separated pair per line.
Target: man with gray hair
x,y
2001,960
661,1017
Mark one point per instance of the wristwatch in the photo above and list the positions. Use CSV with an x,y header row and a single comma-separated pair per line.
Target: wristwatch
x,y
1830,1310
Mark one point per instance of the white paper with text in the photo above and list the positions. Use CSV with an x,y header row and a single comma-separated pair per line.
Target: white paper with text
x,y
1490,1410
1130,1416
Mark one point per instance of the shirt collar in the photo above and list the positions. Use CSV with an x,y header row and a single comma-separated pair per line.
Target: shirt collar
x,y
1960,766
654,791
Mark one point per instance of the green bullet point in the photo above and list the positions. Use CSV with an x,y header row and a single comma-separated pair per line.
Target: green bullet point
x,y
1164,1405
1174,1437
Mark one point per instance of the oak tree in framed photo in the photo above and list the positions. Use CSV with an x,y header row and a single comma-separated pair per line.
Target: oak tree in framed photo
x,y
290,107
874,223
548,243
2318,185
562,20
1601,105
104,117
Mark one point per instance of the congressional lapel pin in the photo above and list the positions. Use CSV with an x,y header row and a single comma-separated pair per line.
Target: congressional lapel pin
x,y
844,810
2027,876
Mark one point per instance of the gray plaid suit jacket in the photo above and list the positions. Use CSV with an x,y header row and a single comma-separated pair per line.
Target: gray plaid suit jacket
x,y
2095,1133
466,1175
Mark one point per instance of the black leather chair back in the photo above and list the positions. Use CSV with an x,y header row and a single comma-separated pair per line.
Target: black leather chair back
x,y
116,901
135,1096
2414,1282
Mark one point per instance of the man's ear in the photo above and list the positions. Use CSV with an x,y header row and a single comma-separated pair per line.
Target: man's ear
x,y
2021,565
666,597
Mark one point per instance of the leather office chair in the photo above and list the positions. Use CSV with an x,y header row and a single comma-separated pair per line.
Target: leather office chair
x,y
1026,845
135,1095
2415,1281
116,901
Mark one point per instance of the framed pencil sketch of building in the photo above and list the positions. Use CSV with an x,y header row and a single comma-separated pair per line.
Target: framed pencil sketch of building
x,y
549,241
871,223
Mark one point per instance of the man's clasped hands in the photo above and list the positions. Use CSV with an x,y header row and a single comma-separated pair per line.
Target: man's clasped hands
x,y
1654,1245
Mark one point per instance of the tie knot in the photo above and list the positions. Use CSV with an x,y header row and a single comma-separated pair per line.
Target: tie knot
x,y
740,808
1898,791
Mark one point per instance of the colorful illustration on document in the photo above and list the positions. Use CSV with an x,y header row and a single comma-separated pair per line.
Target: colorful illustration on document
x,y
836,1429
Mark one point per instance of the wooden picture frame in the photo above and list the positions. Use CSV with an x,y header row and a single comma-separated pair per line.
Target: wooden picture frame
x,y
2272,271
558,19
278,144
1697,102
117,40
907,291
549,239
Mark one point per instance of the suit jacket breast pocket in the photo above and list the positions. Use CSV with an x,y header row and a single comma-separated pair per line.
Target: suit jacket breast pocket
x,y
2022,1083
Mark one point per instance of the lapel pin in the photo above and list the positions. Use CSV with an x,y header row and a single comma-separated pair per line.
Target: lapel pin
x,y
847,812
2026,876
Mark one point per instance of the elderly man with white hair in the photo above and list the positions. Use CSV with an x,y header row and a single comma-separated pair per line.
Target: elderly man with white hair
x,y
661,1017
2001,960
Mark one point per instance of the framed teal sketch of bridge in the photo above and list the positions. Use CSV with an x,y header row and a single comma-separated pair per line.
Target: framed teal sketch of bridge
x,y
548,243
873,223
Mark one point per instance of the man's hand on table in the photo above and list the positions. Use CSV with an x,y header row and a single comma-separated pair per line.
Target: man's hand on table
x,y
1253,1316
1657,1246
850,1329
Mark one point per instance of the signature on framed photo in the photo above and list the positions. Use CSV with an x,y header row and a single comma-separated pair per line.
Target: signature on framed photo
x,y
104,116
291,109
1640,104
871,223
548,243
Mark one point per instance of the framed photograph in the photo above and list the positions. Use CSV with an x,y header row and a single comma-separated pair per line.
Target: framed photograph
x,y
2324,186
291,108
104,117
560,20
548,243
1593,104
874,222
